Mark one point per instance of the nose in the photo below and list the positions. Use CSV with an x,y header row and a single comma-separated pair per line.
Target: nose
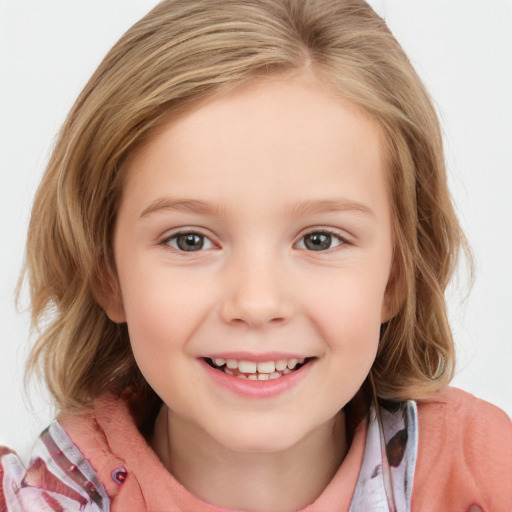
x,y
256,293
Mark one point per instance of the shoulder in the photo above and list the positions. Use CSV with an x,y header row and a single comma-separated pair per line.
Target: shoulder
x,y
466,422
464,454
464,418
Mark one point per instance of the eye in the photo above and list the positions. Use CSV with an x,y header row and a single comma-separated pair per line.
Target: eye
x,y
188,242
320,241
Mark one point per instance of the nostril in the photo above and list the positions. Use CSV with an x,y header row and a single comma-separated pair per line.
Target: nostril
x,y
256,307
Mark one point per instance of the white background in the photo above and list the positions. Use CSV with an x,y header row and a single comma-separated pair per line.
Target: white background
x,y
461,48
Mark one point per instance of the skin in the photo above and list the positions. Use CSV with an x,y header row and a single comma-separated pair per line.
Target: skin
x,y
272,161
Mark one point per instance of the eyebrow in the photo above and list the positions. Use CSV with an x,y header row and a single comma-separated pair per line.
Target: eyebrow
x,y
331,205
309,207
180,205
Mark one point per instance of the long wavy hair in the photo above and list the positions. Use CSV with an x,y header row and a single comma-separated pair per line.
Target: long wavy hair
x,y
183,52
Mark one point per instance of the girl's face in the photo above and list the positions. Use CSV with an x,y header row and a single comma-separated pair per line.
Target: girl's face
x,y
254,233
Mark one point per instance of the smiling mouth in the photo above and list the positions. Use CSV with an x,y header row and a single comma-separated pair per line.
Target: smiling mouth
x,y
252,370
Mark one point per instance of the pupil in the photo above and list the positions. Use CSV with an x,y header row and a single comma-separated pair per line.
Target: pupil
x,y
317,241
190,242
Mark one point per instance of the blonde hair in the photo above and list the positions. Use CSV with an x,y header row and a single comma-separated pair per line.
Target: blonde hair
x,y
185,51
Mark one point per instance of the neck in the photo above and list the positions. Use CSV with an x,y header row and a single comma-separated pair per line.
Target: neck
x,y
252,481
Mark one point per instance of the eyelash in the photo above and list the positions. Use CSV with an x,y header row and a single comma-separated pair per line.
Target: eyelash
x,y
342,241
175,236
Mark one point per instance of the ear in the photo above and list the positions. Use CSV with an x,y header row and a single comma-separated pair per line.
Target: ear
x,y
395,294
109,297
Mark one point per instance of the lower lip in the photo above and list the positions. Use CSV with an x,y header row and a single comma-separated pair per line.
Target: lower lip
x,y
257,388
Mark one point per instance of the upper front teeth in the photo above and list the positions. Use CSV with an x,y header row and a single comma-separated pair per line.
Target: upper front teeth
x,y
263,367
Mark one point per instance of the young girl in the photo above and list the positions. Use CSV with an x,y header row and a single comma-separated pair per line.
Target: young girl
x,y
239,253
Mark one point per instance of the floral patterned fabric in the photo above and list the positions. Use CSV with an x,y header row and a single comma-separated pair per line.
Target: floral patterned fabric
x,y
387,473
58,478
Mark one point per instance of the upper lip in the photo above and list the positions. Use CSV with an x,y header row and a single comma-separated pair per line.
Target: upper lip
x,y
258,358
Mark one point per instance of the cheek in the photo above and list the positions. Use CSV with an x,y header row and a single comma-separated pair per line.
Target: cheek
x,y
157,311
349,319
351,303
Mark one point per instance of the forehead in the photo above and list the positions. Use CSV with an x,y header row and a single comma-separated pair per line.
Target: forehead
x,y
293,135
